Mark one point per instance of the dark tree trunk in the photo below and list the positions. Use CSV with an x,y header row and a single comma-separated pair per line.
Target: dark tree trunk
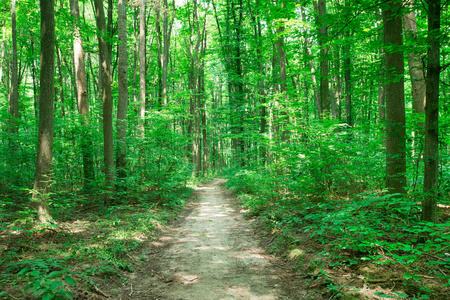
x,y
431,154
395,100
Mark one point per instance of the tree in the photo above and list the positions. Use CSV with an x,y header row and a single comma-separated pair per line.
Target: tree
x,y
105,66
416,73
42,178
122,79
431,154
14,97
395,99
142,66
82,96
324,48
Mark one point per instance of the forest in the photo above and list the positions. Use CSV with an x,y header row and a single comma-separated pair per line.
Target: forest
x,y
328,118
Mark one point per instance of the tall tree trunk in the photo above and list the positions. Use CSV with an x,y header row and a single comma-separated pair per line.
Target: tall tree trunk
x,y
348,81
381,85
105,65
42,178
431,154
166,41
14,97
142,67
395,100
323,37
416,73
160,56
122,103
82,98
60,79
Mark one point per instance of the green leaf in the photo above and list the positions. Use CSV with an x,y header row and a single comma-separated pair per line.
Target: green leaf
x,y
69,280
54,274
47,297
56,285
424,296
23,271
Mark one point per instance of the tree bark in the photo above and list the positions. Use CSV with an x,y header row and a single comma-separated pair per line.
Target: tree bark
x,y
431,154
105,65
323,37
42,178
122,103
416,73
82,97
142,67
14,97
395,100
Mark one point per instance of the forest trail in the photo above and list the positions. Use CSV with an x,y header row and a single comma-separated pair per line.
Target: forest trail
x,y
212,254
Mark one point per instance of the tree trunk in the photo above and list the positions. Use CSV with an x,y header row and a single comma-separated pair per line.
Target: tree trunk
x,y
348,81
431,154
82,98
142,67
166,41
416,73
105,65
42,178
323,37
14,97
122,103
395,100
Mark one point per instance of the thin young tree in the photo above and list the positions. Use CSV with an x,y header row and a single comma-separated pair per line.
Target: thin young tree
x,y
42,178
431,154
14,96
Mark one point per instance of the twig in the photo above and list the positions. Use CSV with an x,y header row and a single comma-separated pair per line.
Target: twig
x,y
131,292
99,291
283,267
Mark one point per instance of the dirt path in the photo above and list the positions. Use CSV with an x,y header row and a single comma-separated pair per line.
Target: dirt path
x,y
213,254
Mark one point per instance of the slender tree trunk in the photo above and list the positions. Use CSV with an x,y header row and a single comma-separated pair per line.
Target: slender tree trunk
x,y
381,85
160,56
323,37
105,65
348,81
42,178
142,65
431,154
166,41
395,100
60,79
14,97
122,103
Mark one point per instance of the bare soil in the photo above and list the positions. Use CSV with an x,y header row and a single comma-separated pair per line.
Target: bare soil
x,y
212,253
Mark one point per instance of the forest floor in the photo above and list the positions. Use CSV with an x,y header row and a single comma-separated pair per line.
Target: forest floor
x,y
212,253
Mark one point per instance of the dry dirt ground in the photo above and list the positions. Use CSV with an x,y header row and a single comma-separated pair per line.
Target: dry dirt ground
x,y
211,254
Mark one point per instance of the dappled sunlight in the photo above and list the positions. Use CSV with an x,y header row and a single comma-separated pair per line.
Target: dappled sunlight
x,y
215,256
240,292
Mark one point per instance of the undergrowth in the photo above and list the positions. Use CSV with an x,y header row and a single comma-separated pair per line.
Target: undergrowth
x,y
326,199
88,244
